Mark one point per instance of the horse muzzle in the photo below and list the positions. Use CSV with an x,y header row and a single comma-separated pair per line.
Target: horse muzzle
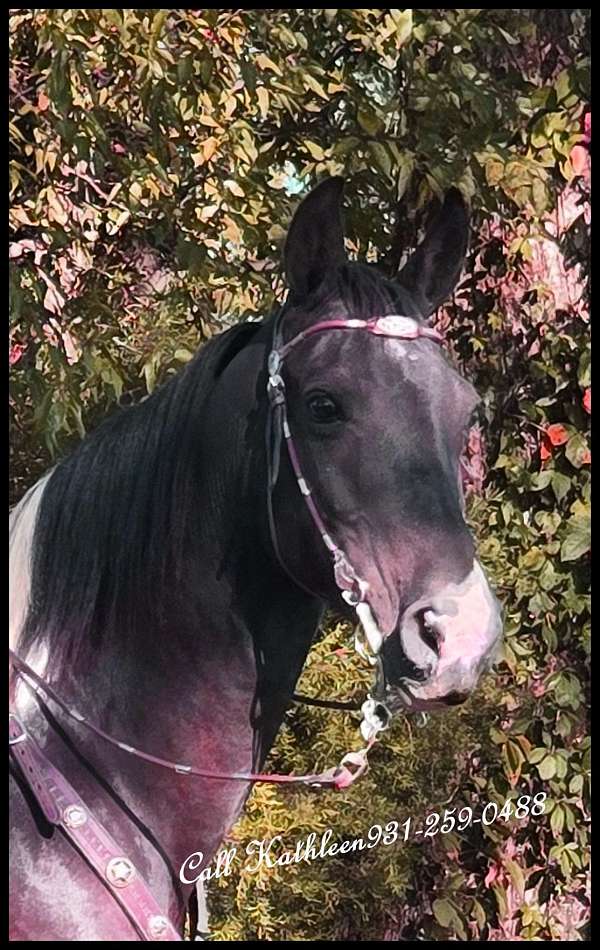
x,y
442,645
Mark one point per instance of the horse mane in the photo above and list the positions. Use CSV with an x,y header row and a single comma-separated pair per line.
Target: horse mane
x,y
112,529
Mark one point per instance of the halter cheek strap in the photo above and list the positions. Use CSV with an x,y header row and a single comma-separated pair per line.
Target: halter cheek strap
x,y
353,588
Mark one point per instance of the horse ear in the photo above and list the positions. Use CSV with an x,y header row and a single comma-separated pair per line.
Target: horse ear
x,y
315,240
433,270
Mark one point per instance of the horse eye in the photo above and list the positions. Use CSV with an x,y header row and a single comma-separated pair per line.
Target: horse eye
x,y
323,408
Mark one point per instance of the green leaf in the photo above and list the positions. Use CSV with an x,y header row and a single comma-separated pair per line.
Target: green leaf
x,y
500,895
445,912
513,759
576,450
584,375
403,21
548,578
547,768
315,85
576,785
517,876
533,559
557,820
541,480
314,150
381,158
157,24
509,39
560,485
578,540
406,168
539,196
479,914
563,85
536,755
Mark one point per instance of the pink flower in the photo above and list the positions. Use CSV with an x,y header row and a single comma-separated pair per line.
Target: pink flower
x,y
15,353
579,159
492,874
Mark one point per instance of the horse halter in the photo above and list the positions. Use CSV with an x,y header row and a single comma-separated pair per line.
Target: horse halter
x,y
353,588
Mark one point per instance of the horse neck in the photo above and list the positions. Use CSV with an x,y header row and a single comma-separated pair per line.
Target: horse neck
x,y
211,686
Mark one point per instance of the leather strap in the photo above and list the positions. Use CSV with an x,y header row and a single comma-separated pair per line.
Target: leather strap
x,y
339,777
64,808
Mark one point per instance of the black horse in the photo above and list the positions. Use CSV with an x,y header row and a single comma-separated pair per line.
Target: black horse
x,y
168,577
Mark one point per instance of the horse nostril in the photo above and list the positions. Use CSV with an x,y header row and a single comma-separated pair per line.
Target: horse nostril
x,y
405,656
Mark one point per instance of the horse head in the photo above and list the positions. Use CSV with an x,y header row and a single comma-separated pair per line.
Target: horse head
x,y
376,419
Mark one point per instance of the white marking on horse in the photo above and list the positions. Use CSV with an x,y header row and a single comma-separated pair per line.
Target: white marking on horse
x,y
21,525
395,348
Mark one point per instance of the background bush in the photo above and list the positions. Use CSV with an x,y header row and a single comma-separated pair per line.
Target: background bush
x,y
156,158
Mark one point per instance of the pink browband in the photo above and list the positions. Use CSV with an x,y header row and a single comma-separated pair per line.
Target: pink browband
x,y
402,328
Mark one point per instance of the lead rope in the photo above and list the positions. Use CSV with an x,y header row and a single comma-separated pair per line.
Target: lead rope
x,y
352,765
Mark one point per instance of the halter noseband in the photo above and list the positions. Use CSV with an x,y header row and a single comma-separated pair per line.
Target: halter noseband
x,y
353,588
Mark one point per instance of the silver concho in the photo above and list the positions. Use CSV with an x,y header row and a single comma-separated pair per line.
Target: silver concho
x,y
404,327
120,872
74,816
157,926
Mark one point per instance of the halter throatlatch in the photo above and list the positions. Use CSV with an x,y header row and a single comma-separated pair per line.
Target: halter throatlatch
x,y
353,588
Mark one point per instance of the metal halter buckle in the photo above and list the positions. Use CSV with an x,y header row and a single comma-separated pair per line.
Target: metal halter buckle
x,y
273,363
74,816
352,766
376,718
276,390
21,737
158,926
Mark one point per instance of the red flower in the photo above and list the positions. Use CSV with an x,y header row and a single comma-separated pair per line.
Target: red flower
x,y
557,434
545,448
587,400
